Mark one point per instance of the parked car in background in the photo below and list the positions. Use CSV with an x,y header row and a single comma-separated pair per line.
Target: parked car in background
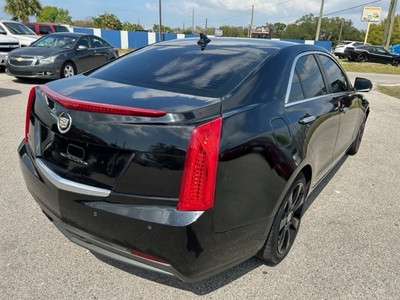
x,y
188,160
18,30
7,43
373,54
46,28
340,48
395,48
59,55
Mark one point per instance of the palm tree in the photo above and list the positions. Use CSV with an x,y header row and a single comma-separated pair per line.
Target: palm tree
x,y
22,9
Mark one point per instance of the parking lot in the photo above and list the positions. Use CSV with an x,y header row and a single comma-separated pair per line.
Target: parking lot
x,y
347,248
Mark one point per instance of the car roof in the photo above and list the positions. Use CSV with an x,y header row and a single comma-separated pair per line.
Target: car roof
x,y
75,34
44,23
242,44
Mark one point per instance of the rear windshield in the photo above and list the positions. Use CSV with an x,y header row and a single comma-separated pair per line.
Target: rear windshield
x,y
212,73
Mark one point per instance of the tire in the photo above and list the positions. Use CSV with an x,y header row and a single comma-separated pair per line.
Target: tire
x,y
362,57
355,146
395,62
67,70
286,224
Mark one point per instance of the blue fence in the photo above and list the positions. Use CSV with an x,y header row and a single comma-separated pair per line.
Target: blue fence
x,y
137,39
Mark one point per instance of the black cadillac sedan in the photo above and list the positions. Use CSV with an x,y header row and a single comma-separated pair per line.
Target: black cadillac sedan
x,y
373,54
190,156
59,55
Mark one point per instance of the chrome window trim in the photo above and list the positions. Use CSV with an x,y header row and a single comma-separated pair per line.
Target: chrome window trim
x,y
287,103
68,185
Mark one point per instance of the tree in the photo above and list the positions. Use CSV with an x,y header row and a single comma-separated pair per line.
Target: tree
x,y
375,34
166,29
234,31
54,14
87,22
131,26
20,10
276,30
107,21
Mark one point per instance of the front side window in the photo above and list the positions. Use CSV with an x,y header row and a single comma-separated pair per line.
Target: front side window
x,y
336,78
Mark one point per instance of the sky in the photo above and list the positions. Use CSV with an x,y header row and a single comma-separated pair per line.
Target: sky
x,y
181,13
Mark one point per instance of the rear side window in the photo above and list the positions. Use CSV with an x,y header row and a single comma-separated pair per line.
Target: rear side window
x,y
58,28
211,73
336,78
43,29
307,81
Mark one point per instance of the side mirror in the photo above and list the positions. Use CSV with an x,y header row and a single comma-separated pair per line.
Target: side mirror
x,y
81,47
362,84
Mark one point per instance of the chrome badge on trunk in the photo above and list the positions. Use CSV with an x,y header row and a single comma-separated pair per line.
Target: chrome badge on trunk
x,y
64,122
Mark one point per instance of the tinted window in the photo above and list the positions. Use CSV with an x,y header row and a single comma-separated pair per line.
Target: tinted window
x,y
43,29
310,76
296,91
59,28
98,42
184,69
336,78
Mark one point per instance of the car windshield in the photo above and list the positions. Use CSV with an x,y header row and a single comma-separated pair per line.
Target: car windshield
x,y
55,41
18,28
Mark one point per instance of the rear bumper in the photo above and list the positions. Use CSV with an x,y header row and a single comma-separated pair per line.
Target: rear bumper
x,y
181,244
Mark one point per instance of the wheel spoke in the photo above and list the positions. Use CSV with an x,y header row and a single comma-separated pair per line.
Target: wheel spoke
x,y
295,222
282,224
281,240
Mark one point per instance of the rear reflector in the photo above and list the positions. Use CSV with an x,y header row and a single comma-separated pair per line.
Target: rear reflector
x,y
100,107
29,106
148,256
200,169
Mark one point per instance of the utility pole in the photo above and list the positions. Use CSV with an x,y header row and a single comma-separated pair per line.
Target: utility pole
x,y
321,11
206,24
192,21
159,19
387,34
251,22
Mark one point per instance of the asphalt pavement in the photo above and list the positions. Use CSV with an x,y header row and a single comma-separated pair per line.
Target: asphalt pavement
x,y
347,247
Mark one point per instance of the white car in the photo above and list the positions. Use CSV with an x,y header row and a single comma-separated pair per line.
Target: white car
x,y
339,50
18,30
7,43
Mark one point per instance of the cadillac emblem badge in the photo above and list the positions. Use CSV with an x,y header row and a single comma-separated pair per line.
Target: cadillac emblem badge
x,y
64,122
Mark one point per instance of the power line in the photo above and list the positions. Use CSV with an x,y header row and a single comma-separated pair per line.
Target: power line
x,y
351,8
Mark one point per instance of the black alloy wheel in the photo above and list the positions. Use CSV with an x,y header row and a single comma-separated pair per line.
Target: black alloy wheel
x,y
395,62
286,224
355,146
362,57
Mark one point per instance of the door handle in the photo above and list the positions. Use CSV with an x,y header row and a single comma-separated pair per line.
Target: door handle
x,y
307,119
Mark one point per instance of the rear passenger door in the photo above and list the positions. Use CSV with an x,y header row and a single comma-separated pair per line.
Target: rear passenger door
x,y
313,111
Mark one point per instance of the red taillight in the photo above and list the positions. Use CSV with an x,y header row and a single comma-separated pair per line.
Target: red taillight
x,y
29,106
200,169
100,107
148,256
